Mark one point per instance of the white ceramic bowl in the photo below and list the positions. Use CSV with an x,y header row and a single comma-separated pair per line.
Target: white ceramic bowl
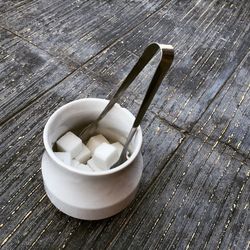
x,y
96,195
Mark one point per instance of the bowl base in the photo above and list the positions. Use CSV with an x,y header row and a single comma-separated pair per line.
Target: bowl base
x,y
84,212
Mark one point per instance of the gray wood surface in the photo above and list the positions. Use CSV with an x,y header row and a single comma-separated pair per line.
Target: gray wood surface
x,y
227,118
26,73
195,187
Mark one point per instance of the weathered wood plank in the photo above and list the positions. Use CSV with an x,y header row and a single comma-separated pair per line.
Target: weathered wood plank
x,y
229,228
193,198
33,17
26,72
77,30
11,5
203,38
27,215
228,119
159,27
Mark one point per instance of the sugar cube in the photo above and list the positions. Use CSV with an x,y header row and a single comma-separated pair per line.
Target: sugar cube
x,y
84,155
75,163
93,166
70,143
105,156
96,141
84,168
118,146
64,156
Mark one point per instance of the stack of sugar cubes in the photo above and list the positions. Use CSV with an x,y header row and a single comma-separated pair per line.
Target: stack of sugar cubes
x,y
97,155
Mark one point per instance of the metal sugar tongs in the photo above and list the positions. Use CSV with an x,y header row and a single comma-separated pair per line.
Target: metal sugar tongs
x,y
166,59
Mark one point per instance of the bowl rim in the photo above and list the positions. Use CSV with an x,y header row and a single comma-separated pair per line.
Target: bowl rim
x,y
70,168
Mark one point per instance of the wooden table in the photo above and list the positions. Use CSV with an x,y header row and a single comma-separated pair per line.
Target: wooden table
x,y
195,187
